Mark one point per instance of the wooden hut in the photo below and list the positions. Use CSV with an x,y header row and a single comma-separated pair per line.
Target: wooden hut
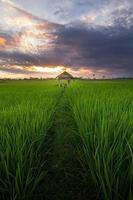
x,y
64,79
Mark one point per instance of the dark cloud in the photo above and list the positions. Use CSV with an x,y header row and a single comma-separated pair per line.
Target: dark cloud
x,y
97,47
100,47
13,70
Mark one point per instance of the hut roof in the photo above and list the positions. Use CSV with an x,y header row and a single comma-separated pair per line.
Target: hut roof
x,y
64,75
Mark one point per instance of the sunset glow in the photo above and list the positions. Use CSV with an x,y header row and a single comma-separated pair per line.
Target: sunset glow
x,y
2,41
28,43
51,69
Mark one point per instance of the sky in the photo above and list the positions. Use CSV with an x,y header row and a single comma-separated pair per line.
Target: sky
x,y
42,38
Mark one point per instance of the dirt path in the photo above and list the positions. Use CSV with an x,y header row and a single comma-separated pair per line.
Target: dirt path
x,y
63,181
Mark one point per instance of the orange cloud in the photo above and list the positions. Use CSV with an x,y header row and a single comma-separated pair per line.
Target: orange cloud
x,y
2,41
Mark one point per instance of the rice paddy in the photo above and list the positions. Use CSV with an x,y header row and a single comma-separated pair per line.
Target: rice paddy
x,y
66,143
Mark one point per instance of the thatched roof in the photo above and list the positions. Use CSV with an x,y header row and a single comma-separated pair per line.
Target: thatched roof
x,y
64,75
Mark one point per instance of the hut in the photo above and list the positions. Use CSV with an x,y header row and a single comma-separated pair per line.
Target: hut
x,y
64,79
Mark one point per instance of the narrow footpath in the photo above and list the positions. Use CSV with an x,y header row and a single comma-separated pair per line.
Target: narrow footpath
x,y
63,181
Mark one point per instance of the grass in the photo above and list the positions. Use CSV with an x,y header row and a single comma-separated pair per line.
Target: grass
x,y
103,112
26,114
93,142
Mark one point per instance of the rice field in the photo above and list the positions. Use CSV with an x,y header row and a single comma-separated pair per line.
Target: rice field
x,y
104,115
72,143
26,114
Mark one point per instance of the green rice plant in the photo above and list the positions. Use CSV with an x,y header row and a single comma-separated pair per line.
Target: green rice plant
x,y
103,112
26,114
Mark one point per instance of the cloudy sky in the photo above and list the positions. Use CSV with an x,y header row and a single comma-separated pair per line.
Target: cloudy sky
x,y
41,38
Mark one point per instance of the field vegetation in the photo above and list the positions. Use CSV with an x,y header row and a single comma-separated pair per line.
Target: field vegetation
x,y
26,114
103,112
91,150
